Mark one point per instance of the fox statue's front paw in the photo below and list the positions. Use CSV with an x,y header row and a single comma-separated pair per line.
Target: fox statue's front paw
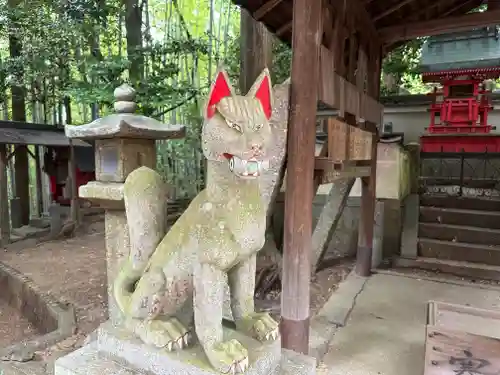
x,y
229,357
260,326
169,334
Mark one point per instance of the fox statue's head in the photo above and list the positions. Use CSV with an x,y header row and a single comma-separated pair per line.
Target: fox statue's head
x,y
236,130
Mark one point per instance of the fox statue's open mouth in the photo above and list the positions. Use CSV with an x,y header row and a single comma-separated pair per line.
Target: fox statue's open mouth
x,y
251,168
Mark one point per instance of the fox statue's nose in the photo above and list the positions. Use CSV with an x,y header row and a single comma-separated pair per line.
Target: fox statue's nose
x,y
256,149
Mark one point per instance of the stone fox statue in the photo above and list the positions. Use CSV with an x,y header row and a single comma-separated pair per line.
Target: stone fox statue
x,y
170,278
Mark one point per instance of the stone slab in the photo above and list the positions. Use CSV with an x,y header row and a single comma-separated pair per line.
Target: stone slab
x,y
320,335
337,309
385,333
89,360
118,344
24,368
410,227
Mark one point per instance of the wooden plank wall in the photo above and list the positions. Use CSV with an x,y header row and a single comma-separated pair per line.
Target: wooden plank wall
x,y
338,93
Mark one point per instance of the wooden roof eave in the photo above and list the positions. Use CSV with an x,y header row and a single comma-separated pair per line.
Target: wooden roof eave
x,y
271,14
409,31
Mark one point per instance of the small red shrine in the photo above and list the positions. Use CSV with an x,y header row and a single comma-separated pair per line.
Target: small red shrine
x,y
459,109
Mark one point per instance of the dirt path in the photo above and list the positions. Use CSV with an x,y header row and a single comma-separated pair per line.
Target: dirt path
x,y
73,270
13,327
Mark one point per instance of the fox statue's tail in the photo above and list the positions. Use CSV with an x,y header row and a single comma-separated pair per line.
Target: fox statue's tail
x,y
145,195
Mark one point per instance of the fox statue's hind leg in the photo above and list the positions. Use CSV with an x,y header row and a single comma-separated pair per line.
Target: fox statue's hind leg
x,y
141,289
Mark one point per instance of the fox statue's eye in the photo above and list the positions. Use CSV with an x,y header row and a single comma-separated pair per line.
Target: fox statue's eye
x,y
258,127
234,126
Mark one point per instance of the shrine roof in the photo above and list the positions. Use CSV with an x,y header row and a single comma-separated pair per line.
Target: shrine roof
x,y
24,133
277,14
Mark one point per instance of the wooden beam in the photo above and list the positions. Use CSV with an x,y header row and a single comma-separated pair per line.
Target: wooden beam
x,y
439,26
456,8
322,163
416,15
283,29
266,8
329,170
391,10
299,179
347,171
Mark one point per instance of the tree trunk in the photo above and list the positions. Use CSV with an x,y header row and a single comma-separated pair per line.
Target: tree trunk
x,y
133,23
19,114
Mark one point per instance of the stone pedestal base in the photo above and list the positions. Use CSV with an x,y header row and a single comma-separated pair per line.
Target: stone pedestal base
x,y
115,351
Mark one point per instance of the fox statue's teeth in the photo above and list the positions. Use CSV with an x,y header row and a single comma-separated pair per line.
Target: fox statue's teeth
x,y
252,167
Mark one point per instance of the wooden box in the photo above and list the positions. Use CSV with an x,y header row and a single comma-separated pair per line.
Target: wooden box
x,y
461,340
346,142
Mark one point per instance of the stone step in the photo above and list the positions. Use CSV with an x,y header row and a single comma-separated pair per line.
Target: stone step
x,y
459,251
459,233
463,203
453,216
452,267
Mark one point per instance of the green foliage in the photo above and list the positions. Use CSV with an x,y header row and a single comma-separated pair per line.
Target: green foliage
x,y
76,48
281,64
402,67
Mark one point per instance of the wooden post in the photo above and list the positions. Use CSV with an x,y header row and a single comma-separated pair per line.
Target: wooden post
x,y
75,204
39,189
299,180
21,163
4,198
368,185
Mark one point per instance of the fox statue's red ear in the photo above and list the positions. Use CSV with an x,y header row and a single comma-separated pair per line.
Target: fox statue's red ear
x,y
262,90
220,89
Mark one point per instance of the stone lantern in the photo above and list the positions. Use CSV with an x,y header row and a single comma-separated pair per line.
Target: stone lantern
x,y
124,141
